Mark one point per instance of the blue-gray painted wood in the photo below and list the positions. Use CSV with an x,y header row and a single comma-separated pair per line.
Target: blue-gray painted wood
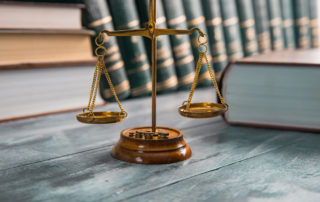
x,y
54,158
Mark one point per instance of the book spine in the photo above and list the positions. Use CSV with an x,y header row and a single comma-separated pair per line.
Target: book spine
x,y
211,9
301,23
247,26
195,18
314,30
98,18
125,17
231,29
288,24
275,23
166,76
182,51
261,17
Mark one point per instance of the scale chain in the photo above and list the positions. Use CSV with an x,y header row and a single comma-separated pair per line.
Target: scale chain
x,y
198,68
105,71
101,67
93,85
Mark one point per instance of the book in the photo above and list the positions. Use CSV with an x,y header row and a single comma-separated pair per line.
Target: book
x,y
166,76
28,91
261,17
98,18
275,24
301,11
314,30
211,9
288,24
44,46
247,26
195,18
40,15
125,17
231,26
182,52
277,89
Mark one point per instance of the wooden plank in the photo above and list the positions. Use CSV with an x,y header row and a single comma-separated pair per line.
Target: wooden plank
x,y
290,173
93,175
37,139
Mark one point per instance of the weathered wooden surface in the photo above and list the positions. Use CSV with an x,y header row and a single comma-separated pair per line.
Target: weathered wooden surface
x,y
55,158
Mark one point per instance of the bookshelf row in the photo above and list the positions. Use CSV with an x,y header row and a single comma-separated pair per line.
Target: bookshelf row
x,y
236,29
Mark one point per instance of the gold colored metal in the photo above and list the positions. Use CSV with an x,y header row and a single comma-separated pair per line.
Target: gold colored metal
x,y
152,33
203,110
101,117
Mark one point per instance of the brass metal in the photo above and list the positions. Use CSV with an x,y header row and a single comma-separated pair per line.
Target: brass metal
x,y
150,144
203,110
152,33
101,117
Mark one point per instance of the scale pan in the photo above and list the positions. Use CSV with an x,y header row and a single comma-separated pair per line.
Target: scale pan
x,y
202,110
101,117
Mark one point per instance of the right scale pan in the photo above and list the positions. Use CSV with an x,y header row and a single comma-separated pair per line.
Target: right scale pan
x,y
202,110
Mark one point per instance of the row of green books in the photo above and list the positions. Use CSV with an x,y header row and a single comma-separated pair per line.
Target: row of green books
x,y
236,28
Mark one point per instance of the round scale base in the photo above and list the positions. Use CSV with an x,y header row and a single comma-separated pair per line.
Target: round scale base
x,y
140,145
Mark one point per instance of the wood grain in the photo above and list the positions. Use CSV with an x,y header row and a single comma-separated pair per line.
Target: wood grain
x,y
54,158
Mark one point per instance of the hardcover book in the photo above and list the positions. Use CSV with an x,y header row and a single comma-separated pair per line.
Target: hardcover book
x,y
44,46
314,26
33,90
98,18
247,26
211,9
125,17
166,76
195,18
275,24
288,24
261,17
231,29
301,11
278,90
40,15
182,51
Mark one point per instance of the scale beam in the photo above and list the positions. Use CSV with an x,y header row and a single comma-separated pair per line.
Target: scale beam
x,y
152,33
146,32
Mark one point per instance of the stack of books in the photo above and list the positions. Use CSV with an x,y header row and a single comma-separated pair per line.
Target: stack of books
x,y
45,58
236,29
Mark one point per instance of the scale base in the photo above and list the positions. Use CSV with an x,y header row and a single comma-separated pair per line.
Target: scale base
x,y
140,145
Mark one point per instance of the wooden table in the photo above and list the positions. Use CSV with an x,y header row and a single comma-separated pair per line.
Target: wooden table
x,y
58,159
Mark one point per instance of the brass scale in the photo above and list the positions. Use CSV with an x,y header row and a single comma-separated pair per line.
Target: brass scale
x,y
151,144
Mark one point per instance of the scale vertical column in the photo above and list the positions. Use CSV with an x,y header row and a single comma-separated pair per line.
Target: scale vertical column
x,y
152,22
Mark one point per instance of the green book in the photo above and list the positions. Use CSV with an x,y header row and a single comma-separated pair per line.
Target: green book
x,y
247,26
166,76
195,18
211,9
301,13
231,26
314,30
97,18
261,17
181,45
288,24
275,24
125,17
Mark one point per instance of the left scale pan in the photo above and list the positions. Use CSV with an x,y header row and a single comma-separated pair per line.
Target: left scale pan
x,y
105,117
101,117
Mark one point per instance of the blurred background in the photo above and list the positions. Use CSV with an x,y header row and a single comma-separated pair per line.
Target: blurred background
x,y
47,47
